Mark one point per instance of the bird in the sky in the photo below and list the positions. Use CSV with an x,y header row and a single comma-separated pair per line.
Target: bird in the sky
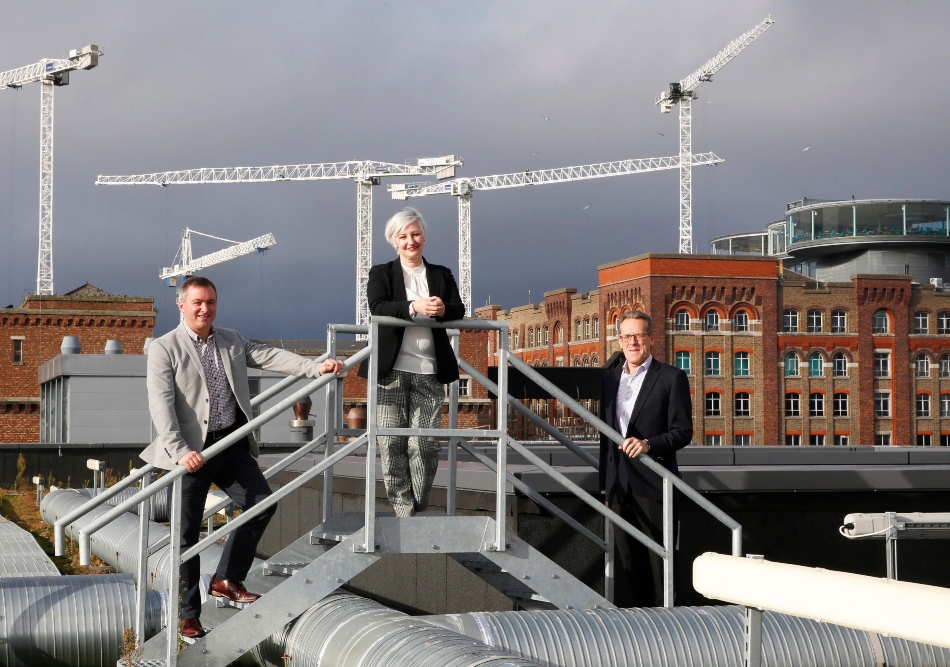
x,y
661,134
534,153
545,117
805,148
586,207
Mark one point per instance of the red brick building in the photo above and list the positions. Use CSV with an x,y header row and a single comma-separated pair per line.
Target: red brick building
x,y
773,357
33,334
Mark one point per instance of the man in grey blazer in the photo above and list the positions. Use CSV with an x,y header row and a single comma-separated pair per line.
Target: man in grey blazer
x,y
198,394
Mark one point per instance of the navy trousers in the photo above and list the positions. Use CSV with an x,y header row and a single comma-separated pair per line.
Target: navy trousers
x,y
236,473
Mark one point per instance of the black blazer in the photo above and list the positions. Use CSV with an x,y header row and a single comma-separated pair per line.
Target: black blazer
x,y
663,414
386,293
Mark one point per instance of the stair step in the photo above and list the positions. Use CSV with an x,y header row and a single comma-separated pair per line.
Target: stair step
x,y
222,602
142,663
290,568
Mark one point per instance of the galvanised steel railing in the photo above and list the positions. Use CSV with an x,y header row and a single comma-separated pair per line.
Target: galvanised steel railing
x,y
334,430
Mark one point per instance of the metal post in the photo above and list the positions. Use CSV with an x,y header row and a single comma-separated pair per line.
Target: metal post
x,y
450,490
609,560
174,578
904,216
890,545
813,225
502,450
372,391
854,220
736,541
668,539
331,424
141,570
753,637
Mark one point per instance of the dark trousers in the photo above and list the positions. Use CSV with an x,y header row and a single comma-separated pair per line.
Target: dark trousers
x,y
236,473
638,572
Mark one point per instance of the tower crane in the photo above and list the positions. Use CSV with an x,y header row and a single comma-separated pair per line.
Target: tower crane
x,y
51,73
464,188
683,93
366,173
185,265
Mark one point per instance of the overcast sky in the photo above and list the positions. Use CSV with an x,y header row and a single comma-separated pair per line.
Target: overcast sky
x,y
861,84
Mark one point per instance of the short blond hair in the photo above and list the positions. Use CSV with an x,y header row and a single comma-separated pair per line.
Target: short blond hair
x,y
400,221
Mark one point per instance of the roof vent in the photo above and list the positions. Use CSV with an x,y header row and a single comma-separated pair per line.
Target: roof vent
x,y
70,345
113,347
937,283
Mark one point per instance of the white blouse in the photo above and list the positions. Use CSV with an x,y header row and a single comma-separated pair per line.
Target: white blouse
x,y
417,354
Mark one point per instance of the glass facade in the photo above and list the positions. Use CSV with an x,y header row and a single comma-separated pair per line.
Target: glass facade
x,y
873,218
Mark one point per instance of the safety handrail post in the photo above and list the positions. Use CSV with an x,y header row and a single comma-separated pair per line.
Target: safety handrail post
x,y
330,425
668,538
372,393
450,488
174,564
501,409
141,570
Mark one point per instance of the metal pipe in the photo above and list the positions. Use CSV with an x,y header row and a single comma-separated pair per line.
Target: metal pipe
x,y
501,454
694,636
450,487
372,392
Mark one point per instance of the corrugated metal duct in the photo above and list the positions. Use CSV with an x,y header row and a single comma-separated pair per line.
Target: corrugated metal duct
x,y
117,543
20,555
345,630
694,636
75,621
160,506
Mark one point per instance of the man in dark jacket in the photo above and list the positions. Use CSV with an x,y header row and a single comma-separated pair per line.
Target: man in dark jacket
x,y
648,402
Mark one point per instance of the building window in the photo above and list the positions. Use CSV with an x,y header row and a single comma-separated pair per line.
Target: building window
x,y
814,321
945,405
839,321
840,404
593,360
683,361
816,439
515,340
743,404
840,365
923,440
559,334
842,440
741,322
465,387
18,351
577,329
744,440
921,323
586,361
816,365
713,404
945,439
816,405
586,329
741,363
882,364
881,323
712,321
793,405
713,440
943,323
793,439
577,360
597,327
882,439
616,325
882,404
530,337
923,405
922,365
713,363
681,322
792,365
546,336
790,321
945,365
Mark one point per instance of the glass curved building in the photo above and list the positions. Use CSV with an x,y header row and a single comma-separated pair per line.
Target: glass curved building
x,y
831,240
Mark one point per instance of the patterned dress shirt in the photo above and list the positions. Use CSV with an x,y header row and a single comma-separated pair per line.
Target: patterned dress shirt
x,y
627,393
223,408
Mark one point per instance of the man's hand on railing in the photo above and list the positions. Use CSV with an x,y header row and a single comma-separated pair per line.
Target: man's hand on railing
x,y
331,366
634,447
192,461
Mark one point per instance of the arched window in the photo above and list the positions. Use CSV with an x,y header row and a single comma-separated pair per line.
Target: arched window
x,y
593,360
683,361
530,337
713,363
881,323
596,322
816,365
816,404
741,321
945,365
514,340
577,329
839,367
792,364
577,360
922,366
740,363
559,334
545,336
840,405
586,329
712,321
713,404
743,404
793,404
681,320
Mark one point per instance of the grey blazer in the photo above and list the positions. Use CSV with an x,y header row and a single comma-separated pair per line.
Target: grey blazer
x,y
178,392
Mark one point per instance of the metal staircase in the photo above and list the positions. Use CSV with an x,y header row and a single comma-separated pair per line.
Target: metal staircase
x,y
346,544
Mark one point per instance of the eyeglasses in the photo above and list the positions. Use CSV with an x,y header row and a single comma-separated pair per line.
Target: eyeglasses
x,y
628,338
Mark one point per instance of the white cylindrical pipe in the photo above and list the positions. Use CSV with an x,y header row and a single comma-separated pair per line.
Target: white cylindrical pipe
x,y
898,608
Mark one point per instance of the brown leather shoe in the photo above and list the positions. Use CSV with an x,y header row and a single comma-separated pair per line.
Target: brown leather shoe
x,y
191,628
232,590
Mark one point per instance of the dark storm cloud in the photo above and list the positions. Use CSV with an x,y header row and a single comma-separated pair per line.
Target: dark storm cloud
x,y
186,85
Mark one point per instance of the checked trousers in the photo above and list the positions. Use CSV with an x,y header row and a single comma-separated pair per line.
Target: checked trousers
x,y
409,400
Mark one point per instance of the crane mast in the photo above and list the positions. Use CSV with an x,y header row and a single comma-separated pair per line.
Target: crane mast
x,y
50,73
464,188
683,93
366,174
